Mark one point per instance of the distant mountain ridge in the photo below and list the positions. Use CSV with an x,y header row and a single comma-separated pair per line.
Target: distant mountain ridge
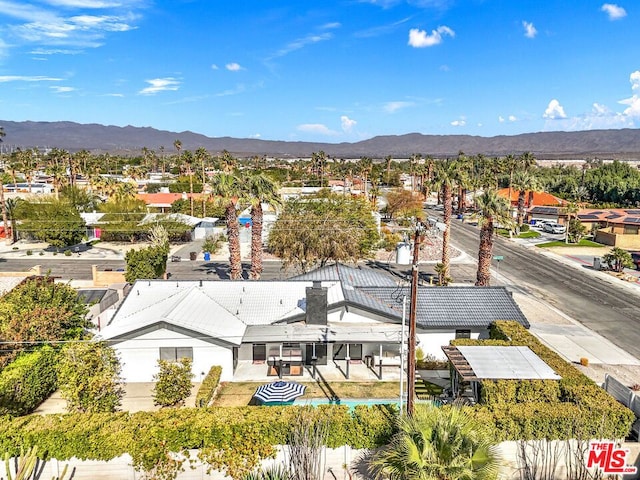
x,y
623,143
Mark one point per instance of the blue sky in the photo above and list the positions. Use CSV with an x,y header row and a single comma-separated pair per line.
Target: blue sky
x,y
330,71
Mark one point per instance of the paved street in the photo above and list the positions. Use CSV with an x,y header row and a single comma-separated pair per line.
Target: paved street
x,y
598,301
601,303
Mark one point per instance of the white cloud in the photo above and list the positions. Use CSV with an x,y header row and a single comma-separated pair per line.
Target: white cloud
x,y
633,108
85,3
614,11
420,38
512,118
214,66
255,135
554,110
529,30
347,123
46,24
392,107
62,89
634,78
26,78
318,128
331,26
157,85
461,122
301,43
233,67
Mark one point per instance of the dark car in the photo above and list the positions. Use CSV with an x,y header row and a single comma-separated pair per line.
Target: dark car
x,y
635,256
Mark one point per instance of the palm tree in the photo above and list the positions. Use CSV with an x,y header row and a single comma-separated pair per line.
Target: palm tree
x,y
494,209
523,181
4,206
11,211
229,191
446,174
260,189
437,444
571,209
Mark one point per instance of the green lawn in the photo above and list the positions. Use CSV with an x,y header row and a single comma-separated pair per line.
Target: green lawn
x,y
503,232
236,394
581,243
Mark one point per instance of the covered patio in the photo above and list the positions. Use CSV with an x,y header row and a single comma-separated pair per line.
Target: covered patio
x,y
472,364
342,352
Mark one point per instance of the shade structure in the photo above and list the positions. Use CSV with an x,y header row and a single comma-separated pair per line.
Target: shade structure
x,y
279,392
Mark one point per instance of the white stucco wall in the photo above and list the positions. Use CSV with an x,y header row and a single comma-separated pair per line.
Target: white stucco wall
x,y
431,342
139,357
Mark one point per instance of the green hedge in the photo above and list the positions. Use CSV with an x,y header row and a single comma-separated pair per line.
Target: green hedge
x,y
146,436
208,386
26,382
555,409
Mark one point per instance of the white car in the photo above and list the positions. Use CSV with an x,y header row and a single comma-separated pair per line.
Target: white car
x,y
554,228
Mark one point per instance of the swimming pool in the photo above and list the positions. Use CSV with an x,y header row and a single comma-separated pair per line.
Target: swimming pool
x,y
351,402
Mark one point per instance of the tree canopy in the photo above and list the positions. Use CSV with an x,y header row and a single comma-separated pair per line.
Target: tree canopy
x,y
39,311
323,228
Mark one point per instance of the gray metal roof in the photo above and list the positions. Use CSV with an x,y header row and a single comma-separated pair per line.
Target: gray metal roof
x,y
353,276
451,306
300,332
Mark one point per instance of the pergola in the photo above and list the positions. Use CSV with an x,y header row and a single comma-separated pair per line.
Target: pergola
x,y
474,363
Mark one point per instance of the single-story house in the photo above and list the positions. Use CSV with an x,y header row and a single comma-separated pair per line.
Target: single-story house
x,y
618,227
162,201
331,316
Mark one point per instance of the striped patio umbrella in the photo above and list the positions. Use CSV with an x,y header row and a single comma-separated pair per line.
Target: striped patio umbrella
x,y
280,391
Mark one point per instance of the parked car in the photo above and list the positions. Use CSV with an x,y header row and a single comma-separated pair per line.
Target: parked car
x,y
635,256
554,228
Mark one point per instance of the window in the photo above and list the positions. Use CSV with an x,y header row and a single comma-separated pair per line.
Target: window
x,y
463,333
173,354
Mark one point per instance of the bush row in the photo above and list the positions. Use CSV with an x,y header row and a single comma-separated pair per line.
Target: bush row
x,y
208,386
28,381
557,409
236,433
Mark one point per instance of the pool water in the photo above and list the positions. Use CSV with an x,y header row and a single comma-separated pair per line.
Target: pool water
x,y
351,403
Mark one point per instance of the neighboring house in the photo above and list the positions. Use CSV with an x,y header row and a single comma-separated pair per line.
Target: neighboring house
x,y
532,198
98,300
336,315
161,202
618,227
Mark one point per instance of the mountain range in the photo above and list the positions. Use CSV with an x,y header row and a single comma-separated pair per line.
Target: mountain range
x,y
622,144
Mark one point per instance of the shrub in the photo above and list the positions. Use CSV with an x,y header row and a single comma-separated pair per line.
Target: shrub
x,y
547,409
212,243
28,381
89,377
67,253
173,382
524,227
29,252
208,386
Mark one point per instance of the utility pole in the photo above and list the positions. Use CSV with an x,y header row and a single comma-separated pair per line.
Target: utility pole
x,y
413,307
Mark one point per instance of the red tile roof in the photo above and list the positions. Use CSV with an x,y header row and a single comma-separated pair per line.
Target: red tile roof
x,y
540,199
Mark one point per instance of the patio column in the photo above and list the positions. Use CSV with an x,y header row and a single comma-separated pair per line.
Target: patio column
x,y
348,360
380,365
314,361
280,363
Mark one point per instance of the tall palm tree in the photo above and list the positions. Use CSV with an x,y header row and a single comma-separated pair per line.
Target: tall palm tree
x,y
437,444
229,191
494,209
523,182
446,174
260,189
202,158
4,207
11,209
571,210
